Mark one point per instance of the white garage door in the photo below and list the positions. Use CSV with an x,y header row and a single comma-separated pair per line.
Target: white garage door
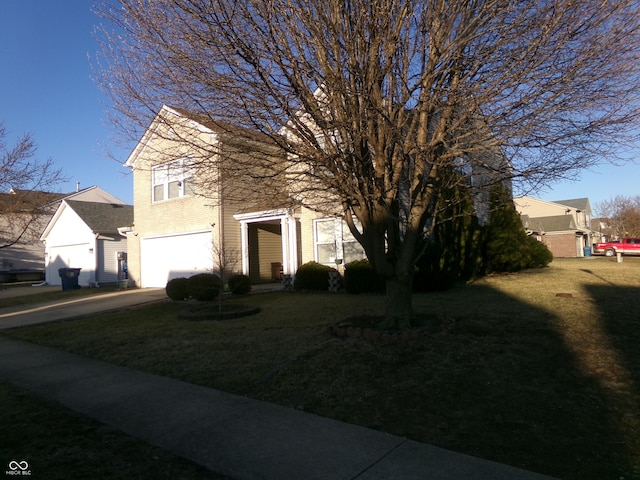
x,y
74,256
164,258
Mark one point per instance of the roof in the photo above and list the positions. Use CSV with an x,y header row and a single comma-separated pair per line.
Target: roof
x,y
27,200
555,223
577,203
103,217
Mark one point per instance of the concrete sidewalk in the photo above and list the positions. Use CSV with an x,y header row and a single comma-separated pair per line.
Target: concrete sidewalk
x,y
229,434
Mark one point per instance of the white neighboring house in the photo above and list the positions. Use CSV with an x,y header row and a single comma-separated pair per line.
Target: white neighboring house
x,y
85,235
24,260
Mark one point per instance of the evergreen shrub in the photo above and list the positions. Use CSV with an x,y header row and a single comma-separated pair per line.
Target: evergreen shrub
x,y
509,248
239,284
178,288
361,277
204,287
312,276
540,255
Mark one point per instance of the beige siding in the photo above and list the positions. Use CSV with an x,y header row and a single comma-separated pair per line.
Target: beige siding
x,y
306,235
190,213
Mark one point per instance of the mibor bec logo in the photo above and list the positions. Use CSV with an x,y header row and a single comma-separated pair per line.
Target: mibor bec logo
x,y
18,468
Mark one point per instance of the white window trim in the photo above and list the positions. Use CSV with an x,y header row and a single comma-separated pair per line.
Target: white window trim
x,y
341,236
182,166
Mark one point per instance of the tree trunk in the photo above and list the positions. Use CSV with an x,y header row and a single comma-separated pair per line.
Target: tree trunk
x,y
398,306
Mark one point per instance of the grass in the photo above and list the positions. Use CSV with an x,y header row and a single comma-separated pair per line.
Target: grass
x,y
60,444
511,372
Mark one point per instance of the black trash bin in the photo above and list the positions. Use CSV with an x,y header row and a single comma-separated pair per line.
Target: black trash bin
x,y
69,278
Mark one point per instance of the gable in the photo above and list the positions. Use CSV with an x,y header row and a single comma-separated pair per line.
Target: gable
x,y
170,136
66,228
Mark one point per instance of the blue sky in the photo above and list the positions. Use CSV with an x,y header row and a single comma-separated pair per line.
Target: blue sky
x,y
46,90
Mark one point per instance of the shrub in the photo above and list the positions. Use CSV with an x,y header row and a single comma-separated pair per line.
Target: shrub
x,y
312,276
509,248
204,287
361,277
178,288
539,253
239,284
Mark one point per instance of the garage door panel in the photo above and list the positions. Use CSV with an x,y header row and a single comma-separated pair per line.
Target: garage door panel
x,y
164,258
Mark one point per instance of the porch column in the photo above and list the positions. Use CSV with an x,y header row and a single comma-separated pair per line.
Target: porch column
x,y
293,244
244,240
284,230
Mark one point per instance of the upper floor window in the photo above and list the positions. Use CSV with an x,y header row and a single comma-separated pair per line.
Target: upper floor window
x,y
172,180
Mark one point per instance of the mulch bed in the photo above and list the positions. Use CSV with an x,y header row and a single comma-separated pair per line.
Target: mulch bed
x,y
212,311
366,327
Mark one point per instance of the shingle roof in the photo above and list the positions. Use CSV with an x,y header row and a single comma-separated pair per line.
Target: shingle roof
x,y
103,217
577,203
555,223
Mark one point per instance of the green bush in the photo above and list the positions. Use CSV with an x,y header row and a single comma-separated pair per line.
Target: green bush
x,y
312,276
178,288
539,253
239,284
204,287
361,277
509,248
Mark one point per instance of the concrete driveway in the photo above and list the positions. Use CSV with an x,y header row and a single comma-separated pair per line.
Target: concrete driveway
x,y
23,315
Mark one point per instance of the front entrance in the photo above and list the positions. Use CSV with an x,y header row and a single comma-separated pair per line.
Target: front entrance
x,y
265,251
269,244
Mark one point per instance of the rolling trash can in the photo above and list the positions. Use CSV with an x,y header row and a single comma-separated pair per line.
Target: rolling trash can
x,y
69,278
587,251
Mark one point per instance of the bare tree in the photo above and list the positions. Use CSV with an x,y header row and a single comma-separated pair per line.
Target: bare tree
x,y
622,215
24,181
381,105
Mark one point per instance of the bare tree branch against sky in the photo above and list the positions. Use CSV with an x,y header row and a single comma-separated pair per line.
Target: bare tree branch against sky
x,y
395,95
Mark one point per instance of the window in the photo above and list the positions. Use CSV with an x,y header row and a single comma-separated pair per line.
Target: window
x,y
172,180
334,243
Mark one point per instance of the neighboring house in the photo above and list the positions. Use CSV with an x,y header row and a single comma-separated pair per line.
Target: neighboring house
x,y
85,235
564,226
177,233
23,216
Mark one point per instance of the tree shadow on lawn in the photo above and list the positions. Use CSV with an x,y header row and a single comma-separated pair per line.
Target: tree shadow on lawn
x,y
507,383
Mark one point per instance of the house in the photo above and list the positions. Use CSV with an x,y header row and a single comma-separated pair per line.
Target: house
x,y
564,226
178,232
23,216
85,235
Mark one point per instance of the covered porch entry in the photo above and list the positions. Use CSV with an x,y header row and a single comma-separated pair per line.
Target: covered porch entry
x,y
269,244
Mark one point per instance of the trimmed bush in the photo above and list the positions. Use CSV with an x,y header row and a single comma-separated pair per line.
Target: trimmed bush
x,y
361,277
204,287
312,276
178,288
239,284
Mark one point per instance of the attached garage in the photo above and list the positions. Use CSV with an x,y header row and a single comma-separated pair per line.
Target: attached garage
x,y
173,256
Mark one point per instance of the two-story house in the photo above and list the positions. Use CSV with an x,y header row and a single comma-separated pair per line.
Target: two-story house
x,y
564,226
189,218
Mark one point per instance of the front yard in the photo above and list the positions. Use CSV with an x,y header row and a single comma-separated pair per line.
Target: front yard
x,y
540,369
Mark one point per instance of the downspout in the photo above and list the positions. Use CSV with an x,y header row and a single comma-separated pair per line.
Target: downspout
x,y
96,262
